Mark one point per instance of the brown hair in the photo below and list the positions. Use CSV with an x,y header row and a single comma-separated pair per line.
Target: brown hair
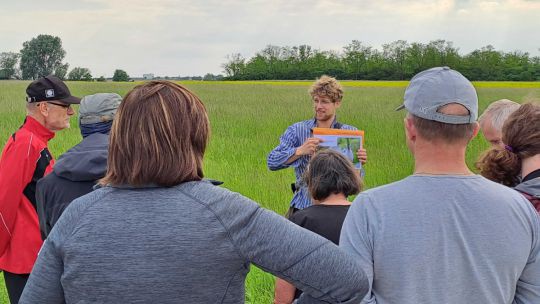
x,y
327,86
158,137
438,131
329,172
521,135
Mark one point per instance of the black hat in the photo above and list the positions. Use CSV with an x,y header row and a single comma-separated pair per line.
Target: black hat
x,y
48,89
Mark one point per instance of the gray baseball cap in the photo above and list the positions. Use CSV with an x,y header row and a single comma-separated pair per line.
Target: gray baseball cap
x,y
432,89
99,107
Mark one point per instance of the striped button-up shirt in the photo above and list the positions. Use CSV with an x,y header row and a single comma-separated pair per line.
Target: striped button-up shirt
x,y
294,137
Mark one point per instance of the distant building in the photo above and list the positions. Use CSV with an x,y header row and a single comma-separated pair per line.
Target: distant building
x,y
148,76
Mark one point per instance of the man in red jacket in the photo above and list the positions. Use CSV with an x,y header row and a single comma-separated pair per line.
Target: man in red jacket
x,y
25,159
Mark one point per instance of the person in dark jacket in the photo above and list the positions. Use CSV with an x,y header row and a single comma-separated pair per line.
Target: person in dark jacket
x,y
76,171
518,163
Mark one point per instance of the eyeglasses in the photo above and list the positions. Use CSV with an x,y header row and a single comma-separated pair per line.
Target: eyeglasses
x,y
63,105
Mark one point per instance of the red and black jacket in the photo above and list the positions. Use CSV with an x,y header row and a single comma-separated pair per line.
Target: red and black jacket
x,y
25,159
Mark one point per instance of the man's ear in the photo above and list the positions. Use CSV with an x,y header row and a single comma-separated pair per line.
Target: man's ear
x,y
43,108
475,131
337,104
410,129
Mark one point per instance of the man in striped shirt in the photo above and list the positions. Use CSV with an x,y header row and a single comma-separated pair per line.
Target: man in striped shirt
x,y
297,144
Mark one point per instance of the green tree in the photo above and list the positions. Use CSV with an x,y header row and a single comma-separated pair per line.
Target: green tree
x,y
395,54
294,61
78,74
535,67
256,69
42,56
484,64
441,53
416,57
8,65
101,79
397,60
518,66
272,55
120,75
61,71
355,57
209,77
235,65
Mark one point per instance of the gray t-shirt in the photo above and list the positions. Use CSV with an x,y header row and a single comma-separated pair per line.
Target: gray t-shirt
x,y
192,243
445,239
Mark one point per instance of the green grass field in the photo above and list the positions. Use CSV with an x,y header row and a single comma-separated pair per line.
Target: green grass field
x,y
247,119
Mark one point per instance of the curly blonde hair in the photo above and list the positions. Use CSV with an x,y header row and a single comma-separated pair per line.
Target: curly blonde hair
x,y
327,86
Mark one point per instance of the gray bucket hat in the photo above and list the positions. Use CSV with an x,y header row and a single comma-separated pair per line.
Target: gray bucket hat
x,y
432,89
100,107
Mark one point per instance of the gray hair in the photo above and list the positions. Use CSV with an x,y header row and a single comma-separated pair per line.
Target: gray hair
x,y
31,108
498,112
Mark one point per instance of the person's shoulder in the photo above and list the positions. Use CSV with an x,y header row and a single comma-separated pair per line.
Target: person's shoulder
x,y
473,183
212,196
311,214
303,124
77,209
493,188
388,188
202,189
97,140
318,212
23,143
376,199
503,193
47,181
348,127
510,201
91,198
231,209
21,137
301,215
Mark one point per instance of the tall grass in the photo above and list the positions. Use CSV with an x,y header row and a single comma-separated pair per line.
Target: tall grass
x,y
247,119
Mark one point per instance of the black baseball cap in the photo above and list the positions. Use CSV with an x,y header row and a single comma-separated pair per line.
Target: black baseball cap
x,y
48,89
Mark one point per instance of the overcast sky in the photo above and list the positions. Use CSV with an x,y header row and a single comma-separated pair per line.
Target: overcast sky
x,y
168,37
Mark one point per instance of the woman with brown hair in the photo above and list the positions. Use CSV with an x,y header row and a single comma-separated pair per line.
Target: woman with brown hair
x,y
518,164
157,232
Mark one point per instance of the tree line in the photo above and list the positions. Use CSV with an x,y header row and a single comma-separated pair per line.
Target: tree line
x,y
398,60
42,56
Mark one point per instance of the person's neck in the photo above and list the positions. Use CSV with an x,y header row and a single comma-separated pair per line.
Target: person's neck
x,y
326,123
530,164
38,118
335,200
440,159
